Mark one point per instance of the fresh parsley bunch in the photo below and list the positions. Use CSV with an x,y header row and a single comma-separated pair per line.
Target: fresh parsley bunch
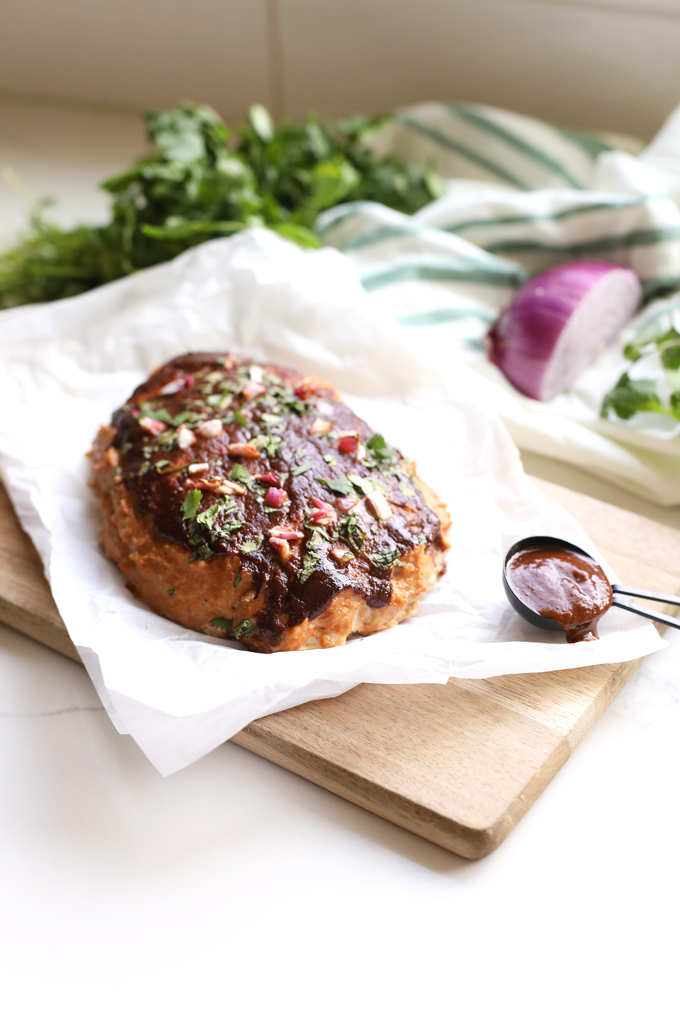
x,y
198,182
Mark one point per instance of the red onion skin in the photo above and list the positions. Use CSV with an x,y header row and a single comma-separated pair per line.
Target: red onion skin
x,y
522,340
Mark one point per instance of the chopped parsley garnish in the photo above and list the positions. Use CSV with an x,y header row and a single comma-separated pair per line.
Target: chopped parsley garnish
x,y
271,419
219,400
237,579
207,517
161,464
316,537
349,529
240,418
309,565
340,485
384,558
330,459
295,405
171,591
268,443
252,544
301,469
379,448
150,409
222,624
191,503
364,485
204,552
406,489
241,474
243,629
229,526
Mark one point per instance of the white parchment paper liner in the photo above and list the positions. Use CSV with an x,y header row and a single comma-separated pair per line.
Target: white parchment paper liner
x,y
65,367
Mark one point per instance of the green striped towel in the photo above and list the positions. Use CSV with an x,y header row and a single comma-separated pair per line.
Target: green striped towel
x,y
521,196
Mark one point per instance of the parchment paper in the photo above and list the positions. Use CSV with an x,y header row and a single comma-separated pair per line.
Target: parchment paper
x,y
65,367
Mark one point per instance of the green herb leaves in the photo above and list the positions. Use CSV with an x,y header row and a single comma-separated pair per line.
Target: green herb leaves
x,y
302,469
342,486
384,558
349,529
309,565
379,448
191,504
195,185
241,474
242,630
252,544
364,485
635,393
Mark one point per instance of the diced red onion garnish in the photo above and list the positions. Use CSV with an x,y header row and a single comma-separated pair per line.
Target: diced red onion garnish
x,y
153,427
252,390
321,504
243,450
341,554
282,547
288,533
189,380
222,486
319,517
323,407
226,487
559,321
303,389
379,505
172,387
319,426
270,477
348,444
197,469
209,429
185,437
276,497
347,503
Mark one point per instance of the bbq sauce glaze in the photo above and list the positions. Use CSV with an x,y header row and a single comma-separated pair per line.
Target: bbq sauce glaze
x,y
561,586
279,418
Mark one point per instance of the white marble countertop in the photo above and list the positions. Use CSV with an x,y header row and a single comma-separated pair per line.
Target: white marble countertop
x,y
236,888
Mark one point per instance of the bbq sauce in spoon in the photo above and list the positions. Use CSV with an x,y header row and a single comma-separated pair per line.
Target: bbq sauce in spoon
x,y
561,586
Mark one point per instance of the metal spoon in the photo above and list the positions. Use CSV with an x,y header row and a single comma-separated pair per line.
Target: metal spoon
x,y
550,542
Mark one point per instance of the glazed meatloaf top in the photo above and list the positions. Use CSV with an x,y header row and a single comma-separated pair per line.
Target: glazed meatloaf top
x,y
226,457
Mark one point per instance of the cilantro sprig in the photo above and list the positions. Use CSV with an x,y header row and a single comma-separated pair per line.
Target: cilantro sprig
x,y
635,393
199,182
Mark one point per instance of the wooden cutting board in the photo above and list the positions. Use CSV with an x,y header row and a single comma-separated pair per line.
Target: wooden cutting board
x,y
459,764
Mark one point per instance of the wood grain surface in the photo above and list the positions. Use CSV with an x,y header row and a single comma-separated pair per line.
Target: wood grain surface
x,y
460,763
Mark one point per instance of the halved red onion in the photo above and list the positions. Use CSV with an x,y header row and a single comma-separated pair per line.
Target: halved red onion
x,y
559,321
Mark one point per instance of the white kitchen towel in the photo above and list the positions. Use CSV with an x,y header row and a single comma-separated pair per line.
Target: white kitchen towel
x,y
65,367
522,196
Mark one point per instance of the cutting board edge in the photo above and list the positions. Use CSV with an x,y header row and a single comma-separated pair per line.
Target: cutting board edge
x,y
446,832
44,631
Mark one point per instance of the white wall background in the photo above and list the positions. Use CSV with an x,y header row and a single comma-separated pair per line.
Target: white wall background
x,y
611,64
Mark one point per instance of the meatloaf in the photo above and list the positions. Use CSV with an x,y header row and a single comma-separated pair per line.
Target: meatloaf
x,y
248,502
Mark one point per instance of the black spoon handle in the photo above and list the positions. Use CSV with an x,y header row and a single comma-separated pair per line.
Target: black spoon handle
x,y
642,593
669,621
